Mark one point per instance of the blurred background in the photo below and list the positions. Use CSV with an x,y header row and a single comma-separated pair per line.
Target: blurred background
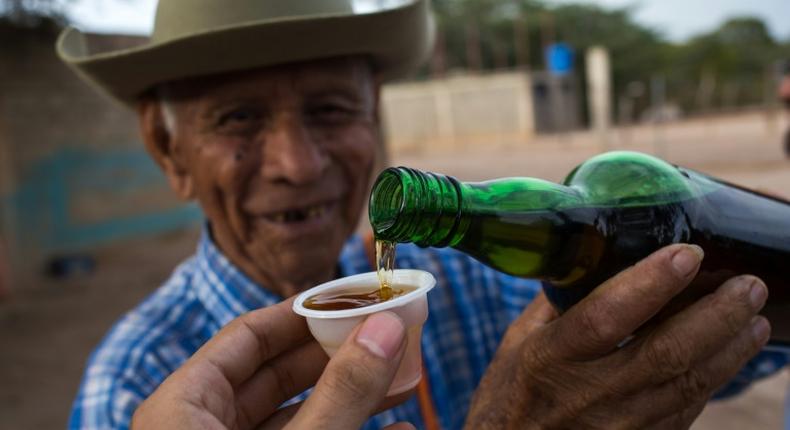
x,y
88,226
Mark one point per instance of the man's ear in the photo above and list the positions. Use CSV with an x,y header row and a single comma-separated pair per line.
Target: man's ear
x,y
161,144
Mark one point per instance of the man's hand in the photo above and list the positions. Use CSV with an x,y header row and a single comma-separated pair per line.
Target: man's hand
x,y
571,372
239,378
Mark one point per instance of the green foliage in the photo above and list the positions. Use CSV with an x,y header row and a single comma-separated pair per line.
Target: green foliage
x,y
637,53
737,61
728,67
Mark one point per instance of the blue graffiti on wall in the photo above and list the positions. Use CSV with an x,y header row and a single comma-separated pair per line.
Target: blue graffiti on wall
x,y
43,204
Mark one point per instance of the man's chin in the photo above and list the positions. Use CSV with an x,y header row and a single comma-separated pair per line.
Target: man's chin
x,y
293,276
300,262
291,287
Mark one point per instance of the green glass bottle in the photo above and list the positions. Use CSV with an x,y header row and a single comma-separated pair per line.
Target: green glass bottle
x,y
609,213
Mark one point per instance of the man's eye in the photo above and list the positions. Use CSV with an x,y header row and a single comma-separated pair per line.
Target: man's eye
x,y
331,113
239,117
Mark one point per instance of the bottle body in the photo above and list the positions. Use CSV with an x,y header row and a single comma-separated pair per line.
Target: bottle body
x,y
611,212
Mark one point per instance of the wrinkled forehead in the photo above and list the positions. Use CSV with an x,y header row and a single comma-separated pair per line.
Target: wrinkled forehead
x,y
352,74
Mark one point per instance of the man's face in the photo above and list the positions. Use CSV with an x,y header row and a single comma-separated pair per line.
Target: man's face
x,y
280,160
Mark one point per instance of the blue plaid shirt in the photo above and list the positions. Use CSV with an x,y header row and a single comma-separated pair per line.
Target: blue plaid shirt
x,y
470,309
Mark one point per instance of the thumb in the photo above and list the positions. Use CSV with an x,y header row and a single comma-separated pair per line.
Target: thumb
x,y
357,377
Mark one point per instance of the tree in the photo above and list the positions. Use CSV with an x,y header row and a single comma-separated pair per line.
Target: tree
x,y
486,29
637,53
730,66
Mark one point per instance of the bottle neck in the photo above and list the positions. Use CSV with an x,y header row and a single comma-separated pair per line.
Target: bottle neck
x,y
408,205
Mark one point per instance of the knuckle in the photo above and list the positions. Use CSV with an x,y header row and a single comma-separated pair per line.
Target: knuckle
x,y
667,357
733,323
286,383
736,292
534,361
349,381
261,336
596,325
693,387
738,352
235,324
731,310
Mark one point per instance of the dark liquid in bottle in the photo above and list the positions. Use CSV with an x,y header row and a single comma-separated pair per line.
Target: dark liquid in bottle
x,y
353,299
741,232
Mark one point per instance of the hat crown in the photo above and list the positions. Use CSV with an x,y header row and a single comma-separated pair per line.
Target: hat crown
x,y
177,18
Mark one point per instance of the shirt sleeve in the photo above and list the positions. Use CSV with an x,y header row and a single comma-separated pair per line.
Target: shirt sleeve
x,y
113,387
104,403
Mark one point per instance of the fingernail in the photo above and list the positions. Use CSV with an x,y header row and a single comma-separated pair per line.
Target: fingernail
x,y
758,293
382,334
761,329
687,259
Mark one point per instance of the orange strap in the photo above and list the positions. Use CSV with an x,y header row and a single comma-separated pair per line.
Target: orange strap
x,y
429,417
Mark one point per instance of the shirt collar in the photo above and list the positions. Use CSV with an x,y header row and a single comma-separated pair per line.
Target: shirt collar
x,y
226,292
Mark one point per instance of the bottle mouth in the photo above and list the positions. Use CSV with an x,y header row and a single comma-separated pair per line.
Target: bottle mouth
x,y
386,201
407,205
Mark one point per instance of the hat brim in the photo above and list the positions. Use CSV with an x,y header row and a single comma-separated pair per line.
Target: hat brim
x,y
398,40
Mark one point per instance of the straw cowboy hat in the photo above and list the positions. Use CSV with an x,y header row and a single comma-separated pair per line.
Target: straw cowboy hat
x,y
203,37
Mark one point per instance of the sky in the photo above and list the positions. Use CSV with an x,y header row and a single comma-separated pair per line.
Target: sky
x,y
676,19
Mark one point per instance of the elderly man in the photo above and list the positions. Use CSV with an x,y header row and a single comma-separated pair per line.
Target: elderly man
x,y
266,113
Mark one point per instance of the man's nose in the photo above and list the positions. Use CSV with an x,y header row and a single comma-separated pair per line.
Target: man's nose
x,y
291,154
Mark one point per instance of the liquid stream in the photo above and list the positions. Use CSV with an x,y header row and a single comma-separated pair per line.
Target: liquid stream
x,y
385,260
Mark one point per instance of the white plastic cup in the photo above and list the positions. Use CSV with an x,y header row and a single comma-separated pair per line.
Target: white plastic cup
x,y
331,328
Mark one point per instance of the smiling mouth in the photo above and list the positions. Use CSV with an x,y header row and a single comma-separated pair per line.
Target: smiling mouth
x,y
301,215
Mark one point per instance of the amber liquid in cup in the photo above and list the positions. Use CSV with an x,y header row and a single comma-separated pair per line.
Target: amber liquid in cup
x,y
353,299
359,298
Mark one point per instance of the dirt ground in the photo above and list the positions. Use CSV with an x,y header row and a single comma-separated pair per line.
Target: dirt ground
x,y
47,332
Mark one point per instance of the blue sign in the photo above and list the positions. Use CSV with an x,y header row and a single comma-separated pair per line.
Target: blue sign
x,y
559,58
117,186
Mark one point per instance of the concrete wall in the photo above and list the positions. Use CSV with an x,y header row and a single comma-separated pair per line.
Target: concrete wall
x,y
461,111
73,173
